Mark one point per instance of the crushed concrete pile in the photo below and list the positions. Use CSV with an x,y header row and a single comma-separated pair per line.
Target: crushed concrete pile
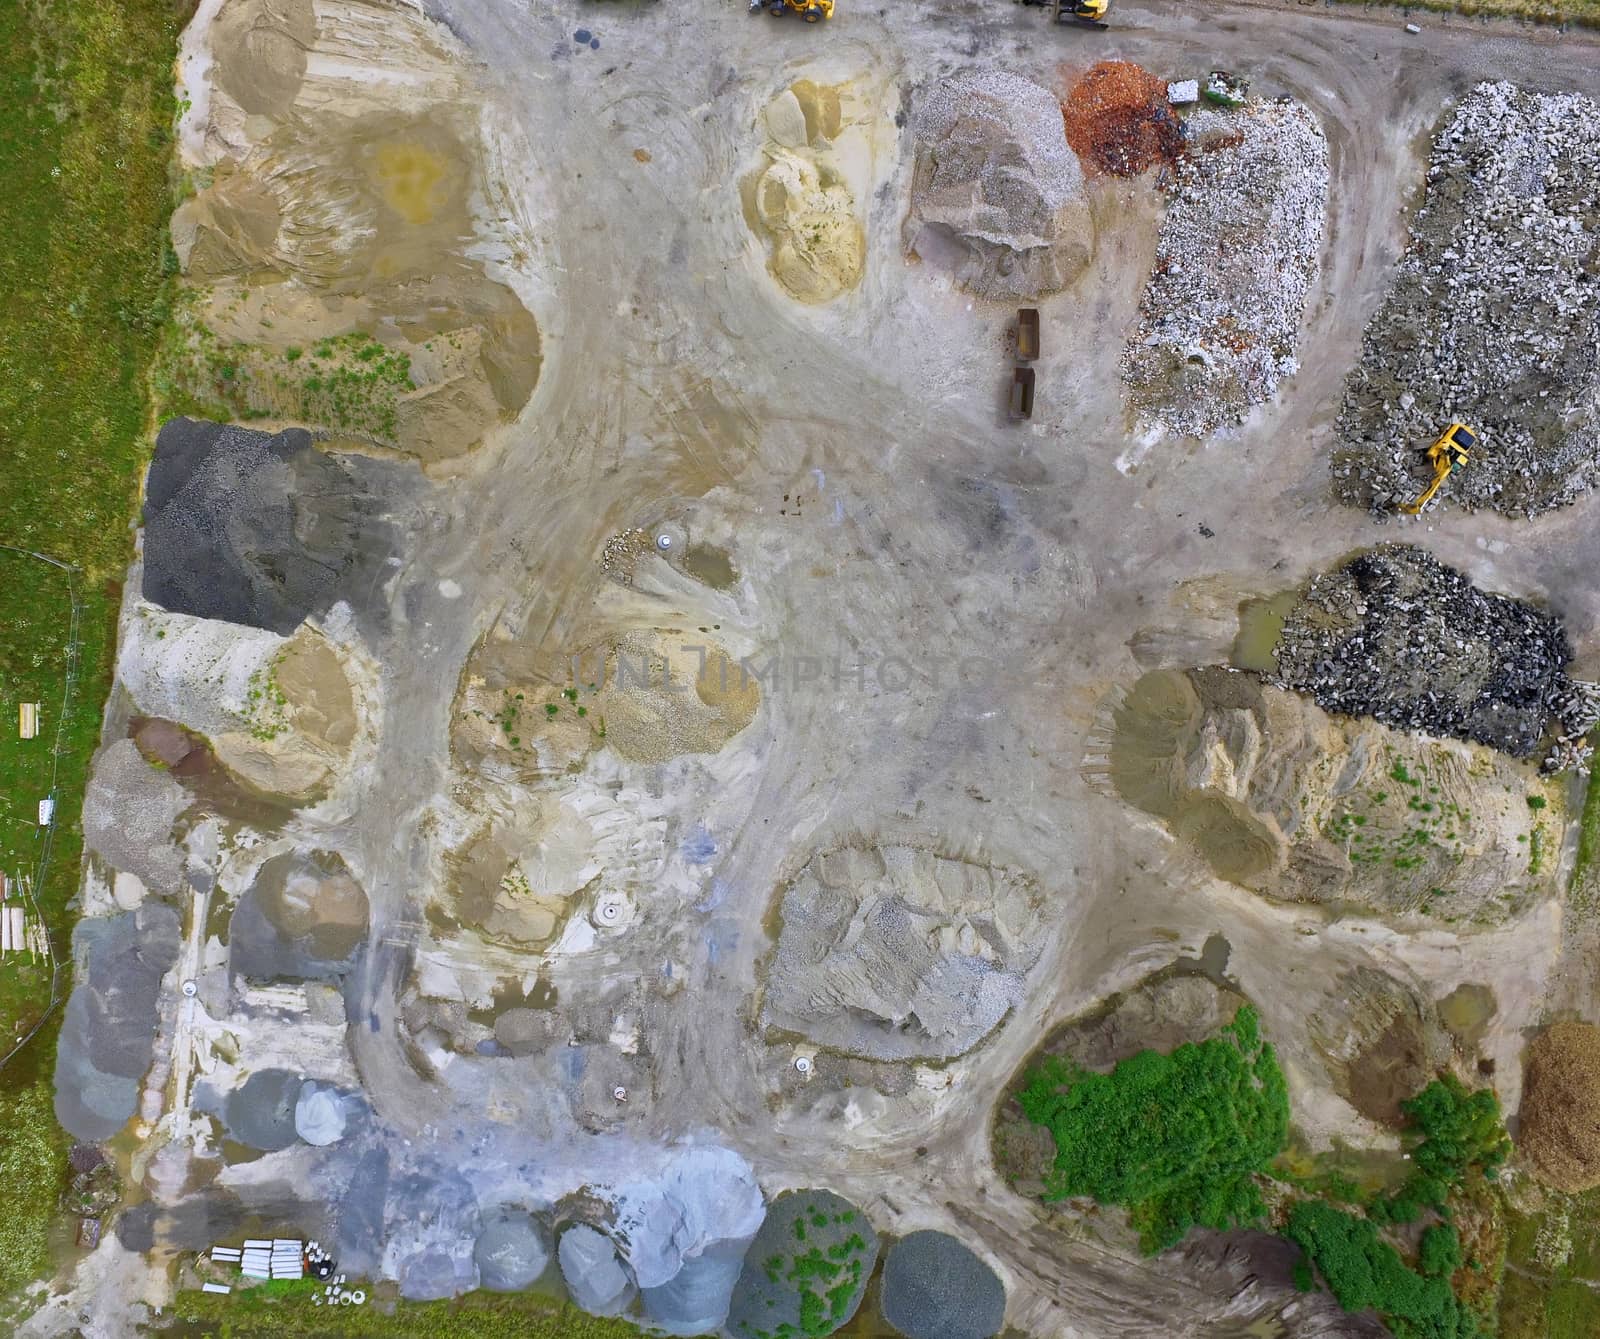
x,y
431,1228
896,953
321,1114
1493,318
801,201
1219,319
129,810
593,1272
1559,1123
258,529
806,1270
512,1251
109,1027
1119,121
1278,797
935,1288
1396,635
998,194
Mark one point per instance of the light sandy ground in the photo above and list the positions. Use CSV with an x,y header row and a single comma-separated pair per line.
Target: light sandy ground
x,y
853,458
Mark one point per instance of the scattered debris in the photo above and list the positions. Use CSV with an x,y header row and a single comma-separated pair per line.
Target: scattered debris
x,y
1119,120
1183,92
1238,248
1493,318
1226,90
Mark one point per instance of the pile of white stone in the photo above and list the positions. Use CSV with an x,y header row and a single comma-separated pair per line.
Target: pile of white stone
x,y
1237,252
1493,318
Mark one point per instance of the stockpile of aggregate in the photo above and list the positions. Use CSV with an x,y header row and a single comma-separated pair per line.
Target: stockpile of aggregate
x,y
1220,317
109,1028
807,1268
258,529
1559,1125
1396,635
997,189
935,1288
129,810
1119,121
1493,318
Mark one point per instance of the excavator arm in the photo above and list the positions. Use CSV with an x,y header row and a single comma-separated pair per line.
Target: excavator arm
x,y
1441,472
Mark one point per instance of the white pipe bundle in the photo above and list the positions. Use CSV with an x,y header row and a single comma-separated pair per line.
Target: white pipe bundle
x,y
18,927
5,929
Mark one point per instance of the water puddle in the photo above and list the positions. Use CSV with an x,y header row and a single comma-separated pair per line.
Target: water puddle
x,y
1260,626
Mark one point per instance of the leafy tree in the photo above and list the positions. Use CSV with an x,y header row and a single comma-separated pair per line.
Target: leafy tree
x,y
1460,1132
1175,1138
1439,1252
1362,1270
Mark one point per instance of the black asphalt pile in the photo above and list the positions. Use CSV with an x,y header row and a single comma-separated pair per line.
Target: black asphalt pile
x,y
1396,635
258,529
260,1112
1493,318
935,1288
109,1028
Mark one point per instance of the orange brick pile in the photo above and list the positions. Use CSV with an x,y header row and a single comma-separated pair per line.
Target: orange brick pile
x,y
1118,120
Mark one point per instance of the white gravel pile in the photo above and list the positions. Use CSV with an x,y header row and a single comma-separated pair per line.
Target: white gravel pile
x,y
1493,318
1236,255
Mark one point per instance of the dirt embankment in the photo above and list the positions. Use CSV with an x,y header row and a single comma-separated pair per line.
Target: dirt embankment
x,y
1281,798
334,246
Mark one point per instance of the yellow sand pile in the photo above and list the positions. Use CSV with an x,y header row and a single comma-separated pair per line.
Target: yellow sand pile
x,y
1560,1118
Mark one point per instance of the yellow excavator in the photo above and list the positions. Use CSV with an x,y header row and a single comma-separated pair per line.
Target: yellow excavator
x,y
1450,452
1090,13
812,11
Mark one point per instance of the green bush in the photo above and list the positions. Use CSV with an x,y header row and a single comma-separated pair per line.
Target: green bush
x,y
1362,1270
1460,1133
1176,1138
1439,1253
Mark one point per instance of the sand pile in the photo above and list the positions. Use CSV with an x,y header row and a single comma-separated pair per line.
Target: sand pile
x,y
1278,797
800,200
349,244
1493,318
1396,635
303,918
1239,244
593,1272
935,1288
517,880
997,193
1382,1041
109,1027
807,1268
895,953
1118,120
259,529
1560,1115
511,1252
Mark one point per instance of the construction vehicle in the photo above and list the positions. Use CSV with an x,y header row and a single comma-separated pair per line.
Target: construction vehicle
x,y
1027,334
1090,13
1450,452
1019,404
812,11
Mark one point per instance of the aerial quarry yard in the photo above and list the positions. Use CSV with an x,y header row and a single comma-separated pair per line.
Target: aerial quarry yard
x,y
911,670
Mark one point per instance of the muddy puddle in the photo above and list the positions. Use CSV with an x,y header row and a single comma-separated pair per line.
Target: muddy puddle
x,y
1465,1014
710,565
189,758
1260,627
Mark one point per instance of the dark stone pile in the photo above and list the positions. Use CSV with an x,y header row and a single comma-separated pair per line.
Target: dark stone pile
x,y
935,1288
1396,635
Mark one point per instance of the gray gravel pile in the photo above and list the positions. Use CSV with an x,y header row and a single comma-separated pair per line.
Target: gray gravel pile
x,y
109,1028
128,813
257,529
1396,635
998,193
935,1288
1493,318
593,1273
806,1270
260,1112
512,1251
1234,262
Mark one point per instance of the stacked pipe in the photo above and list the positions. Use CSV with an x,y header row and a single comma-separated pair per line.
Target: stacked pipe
x,y
288,1258
257,1261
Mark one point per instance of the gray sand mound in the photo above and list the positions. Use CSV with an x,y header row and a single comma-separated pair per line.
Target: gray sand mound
x,y
128,813
256,529
808,1266
512,1252
321,1114
108,1030
998,193
1396,635
305,917
593,1273
894,953
1493,318
260,1112
935,1288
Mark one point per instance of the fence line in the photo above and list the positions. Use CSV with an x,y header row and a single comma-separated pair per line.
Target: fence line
x,y
47,844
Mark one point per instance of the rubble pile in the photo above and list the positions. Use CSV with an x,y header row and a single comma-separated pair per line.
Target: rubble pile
x,y
998,195
1235,259
1396,635
1119,121
1493,319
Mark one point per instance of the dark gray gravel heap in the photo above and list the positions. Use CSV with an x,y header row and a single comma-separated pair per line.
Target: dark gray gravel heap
x,y
806,1270
1396,635
935,1288
260,1112
258,529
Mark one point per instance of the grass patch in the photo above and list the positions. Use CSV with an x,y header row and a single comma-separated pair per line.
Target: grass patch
x,y
253,1312
1585,12
1583,864
86,277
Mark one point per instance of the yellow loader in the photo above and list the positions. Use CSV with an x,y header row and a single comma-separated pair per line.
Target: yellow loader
x,y
812,11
